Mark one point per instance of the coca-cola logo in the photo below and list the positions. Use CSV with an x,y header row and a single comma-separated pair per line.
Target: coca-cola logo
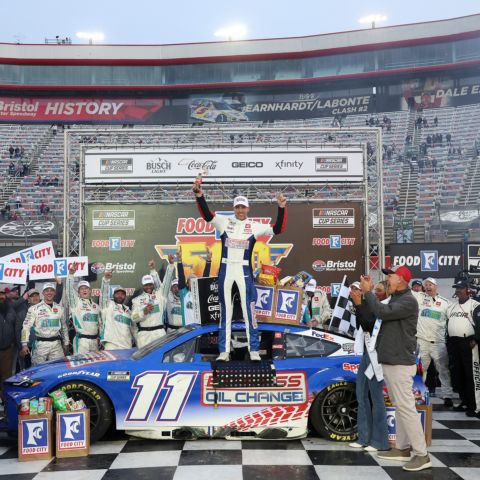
x,y
213,298
197,165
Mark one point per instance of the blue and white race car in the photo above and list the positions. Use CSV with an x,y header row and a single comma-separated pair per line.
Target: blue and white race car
x,y
174,389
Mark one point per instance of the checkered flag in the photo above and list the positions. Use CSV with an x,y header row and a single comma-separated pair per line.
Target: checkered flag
x,y
343,316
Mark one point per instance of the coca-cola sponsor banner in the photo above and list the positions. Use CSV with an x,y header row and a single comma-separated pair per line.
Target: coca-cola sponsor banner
x,y
57,267
11,272
437,260
242,164
206,307
72,109
41,250
323,239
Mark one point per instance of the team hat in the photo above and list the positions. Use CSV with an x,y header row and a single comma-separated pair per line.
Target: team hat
x,y
146,279
174,281
33,291
240,201
416,282
49,285
119,289
356,285
461,284
431,280
83,283
311,286
399,270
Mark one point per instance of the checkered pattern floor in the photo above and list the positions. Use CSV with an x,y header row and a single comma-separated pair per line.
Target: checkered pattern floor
x,y
455,453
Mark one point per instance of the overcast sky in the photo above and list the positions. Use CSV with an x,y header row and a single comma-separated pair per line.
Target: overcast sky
x,y
166,21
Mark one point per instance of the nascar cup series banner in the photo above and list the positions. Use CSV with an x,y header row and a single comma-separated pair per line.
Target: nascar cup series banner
x,y
326,240
241,164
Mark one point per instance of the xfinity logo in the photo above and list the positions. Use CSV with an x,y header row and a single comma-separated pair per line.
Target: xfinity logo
x,y
285,164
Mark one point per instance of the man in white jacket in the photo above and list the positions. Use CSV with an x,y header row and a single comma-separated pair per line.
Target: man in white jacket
x,y
148,309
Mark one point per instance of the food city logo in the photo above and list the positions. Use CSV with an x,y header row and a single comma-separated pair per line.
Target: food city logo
x,y
333,217
194,235
114,244
288,303
334,242
72,431
34,436
264,303
428,260
291,389
334,266
113,220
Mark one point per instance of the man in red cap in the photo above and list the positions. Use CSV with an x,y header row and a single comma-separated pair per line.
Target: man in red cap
x,y
396,345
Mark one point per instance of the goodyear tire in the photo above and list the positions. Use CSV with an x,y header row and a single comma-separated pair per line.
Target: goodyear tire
x,y
101,409
333,414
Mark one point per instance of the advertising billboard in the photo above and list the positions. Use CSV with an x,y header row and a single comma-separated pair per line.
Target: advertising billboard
x,y
155,231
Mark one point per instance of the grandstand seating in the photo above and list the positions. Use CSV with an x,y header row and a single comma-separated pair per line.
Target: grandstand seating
x,y
442,186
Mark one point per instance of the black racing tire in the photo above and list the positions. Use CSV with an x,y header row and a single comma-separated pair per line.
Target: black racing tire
x,y
333,413
221,118
101,409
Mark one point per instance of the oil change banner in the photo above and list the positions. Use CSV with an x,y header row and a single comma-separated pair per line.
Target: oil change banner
x,y
437,260
326,240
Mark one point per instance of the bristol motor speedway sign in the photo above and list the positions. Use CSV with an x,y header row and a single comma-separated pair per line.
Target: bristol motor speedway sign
x,y
438,260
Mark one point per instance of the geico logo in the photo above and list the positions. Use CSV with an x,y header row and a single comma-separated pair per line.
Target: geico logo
x,y
247,164
414,260
13,272
194,225
120,267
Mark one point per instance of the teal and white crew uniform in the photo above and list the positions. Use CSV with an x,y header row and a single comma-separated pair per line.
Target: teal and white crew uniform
x,y
86,318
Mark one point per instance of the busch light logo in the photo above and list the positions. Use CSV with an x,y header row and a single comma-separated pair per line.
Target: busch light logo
x,y
335,289
115,244
72,433
60,267
287,304
34,436
264,303
335,241
27,255
429,260
2,268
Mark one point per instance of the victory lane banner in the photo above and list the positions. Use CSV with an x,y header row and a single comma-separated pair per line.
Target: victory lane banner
x,y
11,272
37,252
57,267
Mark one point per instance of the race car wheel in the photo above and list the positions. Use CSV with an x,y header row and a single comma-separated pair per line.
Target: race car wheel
x,y
101,409
221,119
333,413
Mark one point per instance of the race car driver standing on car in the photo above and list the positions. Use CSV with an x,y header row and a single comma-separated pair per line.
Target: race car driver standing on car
x,y
118,329
148,309
85,315
238,234
47,319
431,334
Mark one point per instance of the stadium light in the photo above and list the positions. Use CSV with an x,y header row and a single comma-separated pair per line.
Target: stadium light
x,y
233,32
91,36
373,19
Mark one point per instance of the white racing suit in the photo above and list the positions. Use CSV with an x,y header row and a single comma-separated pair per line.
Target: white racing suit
x,y
86,320
238,239
150,326
50,328
117,327
431,337
319,308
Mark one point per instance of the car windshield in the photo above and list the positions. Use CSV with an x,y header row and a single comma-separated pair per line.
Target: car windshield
x,y
159,342
221,106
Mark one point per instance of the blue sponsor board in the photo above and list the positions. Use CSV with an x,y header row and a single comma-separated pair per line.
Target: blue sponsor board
x,y
34,436
72,430
264,302
287,305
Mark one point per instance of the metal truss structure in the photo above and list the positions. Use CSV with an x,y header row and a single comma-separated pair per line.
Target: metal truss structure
x,y
188,138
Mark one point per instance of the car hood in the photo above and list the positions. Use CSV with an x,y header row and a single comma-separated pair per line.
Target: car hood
x,y
72,363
